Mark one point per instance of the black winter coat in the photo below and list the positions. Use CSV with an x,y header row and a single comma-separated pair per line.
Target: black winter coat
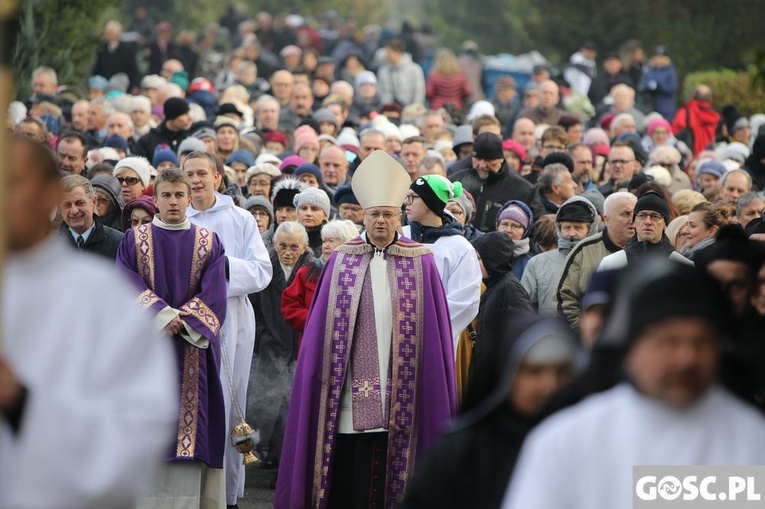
x,y
158,136
103,241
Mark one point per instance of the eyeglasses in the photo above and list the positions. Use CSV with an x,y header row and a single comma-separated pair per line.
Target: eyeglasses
x,y
388,216
410,198
288,247
102,199
620,161
654,217
131,181
260,213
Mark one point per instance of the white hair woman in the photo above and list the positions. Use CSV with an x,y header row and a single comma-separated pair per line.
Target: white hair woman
x,y
296,299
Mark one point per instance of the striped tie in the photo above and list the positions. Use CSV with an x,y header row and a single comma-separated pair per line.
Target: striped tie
x,y
80,243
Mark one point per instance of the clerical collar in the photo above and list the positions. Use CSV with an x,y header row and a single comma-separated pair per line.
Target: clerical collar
x,y
378,251
185,225
85,234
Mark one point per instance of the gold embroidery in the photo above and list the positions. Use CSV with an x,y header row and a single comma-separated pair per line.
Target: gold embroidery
x,y
203,313
144,247
202,252
189,411
147,299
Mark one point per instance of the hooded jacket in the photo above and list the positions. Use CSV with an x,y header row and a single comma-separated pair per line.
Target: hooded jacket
x,y
522,248
457,265
581,262
540,279
504,293
206,100
490,194
473,463
111,186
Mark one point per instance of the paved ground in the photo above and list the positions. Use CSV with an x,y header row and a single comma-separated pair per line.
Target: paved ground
x,y
257,492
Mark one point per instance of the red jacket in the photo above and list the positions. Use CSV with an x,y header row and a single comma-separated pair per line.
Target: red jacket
x,y
296,300
704,122
441,90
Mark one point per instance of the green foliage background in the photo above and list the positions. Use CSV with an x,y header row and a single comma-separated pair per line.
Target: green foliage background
x,y
61,34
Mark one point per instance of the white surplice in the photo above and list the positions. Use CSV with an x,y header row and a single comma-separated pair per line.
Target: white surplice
x,y
249,268
460,272
583,456
102,401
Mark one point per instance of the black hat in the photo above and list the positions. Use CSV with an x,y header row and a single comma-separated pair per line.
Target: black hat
x,y
175,107
653,202
575,211
589,44
611,55
230,108
344,194
559,158
488,146
638,179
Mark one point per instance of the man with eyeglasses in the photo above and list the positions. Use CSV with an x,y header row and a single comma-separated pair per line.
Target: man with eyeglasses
x,y
622,164
650,220
375,377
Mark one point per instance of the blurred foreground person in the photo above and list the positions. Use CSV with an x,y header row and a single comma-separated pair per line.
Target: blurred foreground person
x,y
471,466
374,382
672,320
87,399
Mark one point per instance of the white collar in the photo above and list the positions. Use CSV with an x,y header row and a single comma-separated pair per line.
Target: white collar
x,y
185,225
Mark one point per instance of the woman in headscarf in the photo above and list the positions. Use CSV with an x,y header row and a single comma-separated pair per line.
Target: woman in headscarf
x,y
530,360
517,221
109,201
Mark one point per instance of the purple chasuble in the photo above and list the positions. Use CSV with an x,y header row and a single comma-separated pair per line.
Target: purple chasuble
x,y
422,388
185,269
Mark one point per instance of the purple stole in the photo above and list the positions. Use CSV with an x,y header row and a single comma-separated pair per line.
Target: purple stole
x,y
186,270
406,279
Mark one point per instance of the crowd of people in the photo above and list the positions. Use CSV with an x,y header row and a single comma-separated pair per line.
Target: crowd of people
x,y
393,273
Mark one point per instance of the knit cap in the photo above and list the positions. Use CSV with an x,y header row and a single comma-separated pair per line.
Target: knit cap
x,y
516,213
313,196
164,153
436,191
654,203
241,156
304,137
175,107
139,165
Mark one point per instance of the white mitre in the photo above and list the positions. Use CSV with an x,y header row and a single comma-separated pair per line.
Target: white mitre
x,y
380,181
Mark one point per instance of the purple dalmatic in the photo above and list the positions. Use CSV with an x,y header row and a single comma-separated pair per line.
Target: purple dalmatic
x,y
184,269
422,395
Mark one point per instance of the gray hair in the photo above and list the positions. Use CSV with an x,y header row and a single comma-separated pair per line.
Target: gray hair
x,y
615,199
107,108
263,99
618,119
292,228
46,70
247,65
71,182
371,132
551,176
747,199
342,229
